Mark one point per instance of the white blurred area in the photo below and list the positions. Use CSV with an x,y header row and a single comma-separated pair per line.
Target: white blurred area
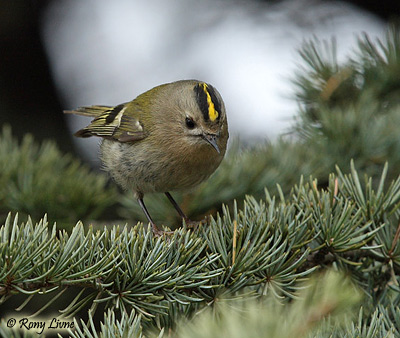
x,y
108,52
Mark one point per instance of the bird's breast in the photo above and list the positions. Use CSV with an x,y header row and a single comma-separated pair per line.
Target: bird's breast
x,y
144,167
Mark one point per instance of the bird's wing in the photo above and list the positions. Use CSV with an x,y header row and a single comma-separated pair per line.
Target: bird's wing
x,y
111,123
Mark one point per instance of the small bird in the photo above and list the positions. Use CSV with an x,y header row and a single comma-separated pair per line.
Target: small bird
x,y
170,138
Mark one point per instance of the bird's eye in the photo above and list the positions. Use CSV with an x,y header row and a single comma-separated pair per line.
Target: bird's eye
x,y
190,123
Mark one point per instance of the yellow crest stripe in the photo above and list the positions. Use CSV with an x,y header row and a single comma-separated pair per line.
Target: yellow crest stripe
x,y
212,113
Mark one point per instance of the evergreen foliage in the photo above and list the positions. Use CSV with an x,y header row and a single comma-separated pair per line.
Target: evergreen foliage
x,y
266,248
38,179
290,260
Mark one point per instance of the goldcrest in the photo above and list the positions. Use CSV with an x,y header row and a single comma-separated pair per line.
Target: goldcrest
x,y
172,137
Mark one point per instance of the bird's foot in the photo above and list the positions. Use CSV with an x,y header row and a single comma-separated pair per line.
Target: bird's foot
x,y
159,233
194,224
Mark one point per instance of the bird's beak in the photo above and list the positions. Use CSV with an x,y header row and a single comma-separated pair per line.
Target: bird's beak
x,y
212,139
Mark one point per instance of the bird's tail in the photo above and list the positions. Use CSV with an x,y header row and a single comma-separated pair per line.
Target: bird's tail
x,y
92,111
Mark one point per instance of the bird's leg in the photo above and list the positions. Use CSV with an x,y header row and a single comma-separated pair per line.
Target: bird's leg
x,y
156,231
189,223
177,207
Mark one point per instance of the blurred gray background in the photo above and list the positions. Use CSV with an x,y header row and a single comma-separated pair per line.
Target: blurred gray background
x,y
62,54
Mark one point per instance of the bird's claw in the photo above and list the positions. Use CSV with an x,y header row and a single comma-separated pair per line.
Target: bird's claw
x,y
159,233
